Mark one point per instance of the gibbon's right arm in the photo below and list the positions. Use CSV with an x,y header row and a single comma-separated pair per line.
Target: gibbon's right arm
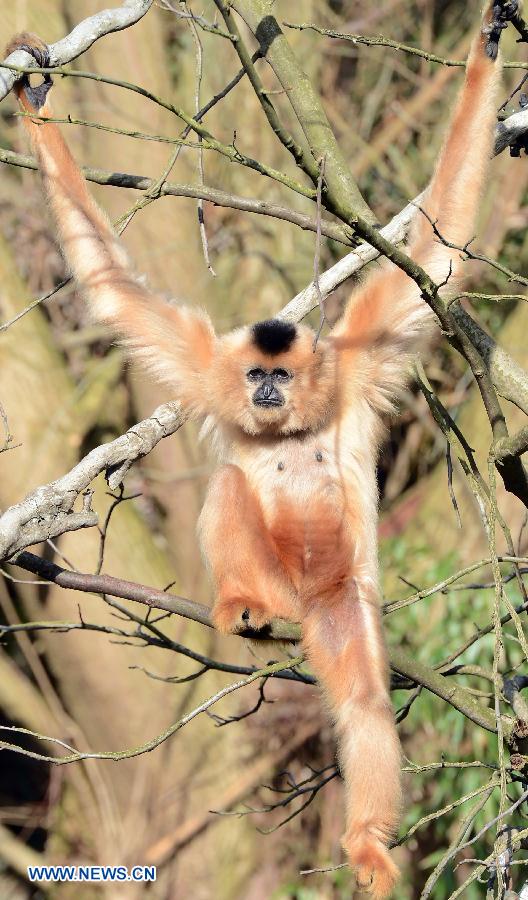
x,y
176,344
386,319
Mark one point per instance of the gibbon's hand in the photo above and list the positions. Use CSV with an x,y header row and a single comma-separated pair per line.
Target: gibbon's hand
x,y
503,12
38,49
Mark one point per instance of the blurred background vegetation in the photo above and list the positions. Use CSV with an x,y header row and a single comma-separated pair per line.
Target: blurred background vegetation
x,y
66,389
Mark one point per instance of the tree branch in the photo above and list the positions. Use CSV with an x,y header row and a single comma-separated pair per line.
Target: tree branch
x,y
303,159
333,230
140,593
307,299
148,746
79,40
507,133
401,663
381,41
229,151
515,445
378,41
342,195
49,510
509,378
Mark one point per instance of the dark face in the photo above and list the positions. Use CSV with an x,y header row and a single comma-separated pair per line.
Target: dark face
x,y
268,383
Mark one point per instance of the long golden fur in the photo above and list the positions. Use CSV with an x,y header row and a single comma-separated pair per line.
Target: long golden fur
x,y
289,524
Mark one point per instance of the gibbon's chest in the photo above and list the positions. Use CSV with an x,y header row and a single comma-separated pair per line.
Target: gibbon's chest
x,y
292,469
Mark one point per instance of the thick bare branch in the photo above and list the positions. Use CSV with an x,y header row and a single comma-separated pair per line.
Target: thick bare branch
x,y
510,131
140,593
49,510
513,446
342,195
509,378
349,265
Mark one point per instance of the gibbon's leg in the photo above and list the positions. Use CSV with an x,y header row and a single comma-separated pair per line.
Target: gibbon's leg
x,y
343,638
175,343
385,318
251,585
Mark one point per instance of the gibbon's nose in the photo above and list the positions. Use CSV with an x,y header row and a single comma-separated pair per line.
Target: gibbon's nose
x,y
267,394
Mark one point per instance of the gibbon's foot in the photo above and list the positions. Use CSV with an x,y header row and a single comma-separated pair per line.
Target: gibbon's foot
x,y
503,11
32,44
236,615
374,870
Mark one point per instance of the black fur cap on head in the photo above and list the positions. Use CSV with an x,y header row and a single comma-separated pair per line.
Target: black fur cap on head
x,y
274,336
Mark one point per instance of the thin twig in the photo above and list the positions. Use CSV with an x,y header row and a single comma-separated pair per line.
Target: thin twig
x,y
229,151
317,253
201,175
449,463
381,41
187,14
148,746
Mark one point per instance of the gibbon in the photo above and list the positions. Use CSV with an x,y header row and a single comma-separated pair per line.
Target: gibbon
x,y
289,523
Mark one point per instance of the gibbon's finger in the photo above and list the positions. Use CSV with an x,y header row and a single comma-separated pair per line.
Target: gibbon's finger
x,y
32,44
503,11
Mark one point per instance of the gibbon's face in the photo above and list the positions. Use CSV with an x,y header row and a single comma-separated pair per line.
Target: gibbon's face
x,y
267,379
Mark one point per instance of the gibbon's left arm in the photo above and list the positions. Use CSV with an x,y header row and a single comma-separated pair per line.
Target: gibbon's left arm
x,y
386,319
175,343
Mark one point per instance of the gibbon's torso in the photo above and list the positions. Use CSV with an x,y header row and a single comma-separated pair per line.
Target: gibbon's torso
x,y
317,491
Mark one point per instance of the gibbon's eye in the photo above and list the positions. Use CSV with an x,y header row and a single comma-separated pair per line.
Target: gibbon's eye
x,y
256,374
282,374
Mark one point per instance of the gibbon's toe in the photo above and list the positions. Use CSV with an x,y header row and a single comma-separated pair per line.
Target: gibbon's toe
x,y
374,870
235,615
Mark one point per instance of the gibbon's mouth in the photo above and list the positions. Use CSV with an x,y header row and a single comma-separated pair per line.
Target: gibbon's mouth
x,y
268,404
